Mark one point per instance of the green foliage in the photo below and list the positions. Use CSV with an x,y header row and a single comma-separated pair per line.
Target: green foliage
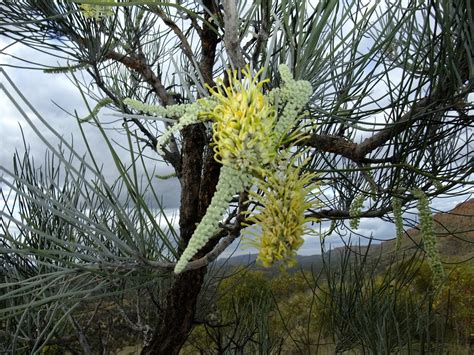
x,y
363,310
240,320
457,300
286,284
246,286
351,304
51,350
65,221
296,317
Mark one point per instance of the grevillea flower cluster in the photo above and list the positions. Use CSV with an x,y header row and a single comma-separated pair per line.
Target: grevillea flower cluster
x,y
243,123
251,140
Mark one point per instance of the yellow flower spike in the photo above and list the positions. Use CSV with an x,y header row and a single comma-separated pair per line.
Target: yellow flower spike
x,y
281,213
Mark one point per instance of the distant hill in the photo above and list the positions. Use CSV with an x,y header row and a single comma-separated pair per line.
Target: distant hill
x,y
249,260
455,231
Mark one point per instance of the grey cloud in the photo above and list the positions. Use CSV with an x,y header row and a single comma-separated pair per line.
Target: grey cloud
x,y
41,90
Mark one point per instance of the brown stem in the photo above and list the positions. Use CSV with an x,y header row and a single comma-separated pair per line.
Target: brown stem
x,y
137,62
177,317
209,40
199,178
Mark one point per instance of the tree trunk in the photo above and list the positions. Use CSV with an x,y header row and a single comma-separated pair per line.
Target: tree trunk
x,y
199,179
177,319
200,174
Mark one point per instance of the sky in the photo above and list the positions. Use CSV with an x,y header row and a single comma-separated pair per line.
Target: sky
x,y
53,94
55,97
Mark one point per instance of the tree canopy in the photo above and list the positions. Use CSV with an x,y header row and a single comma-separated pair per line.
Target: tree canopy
x,y
372,107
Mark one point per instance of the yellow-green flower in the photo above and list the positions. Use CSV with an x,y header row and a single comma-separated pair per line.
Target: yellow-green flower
x,y
281,213
243,122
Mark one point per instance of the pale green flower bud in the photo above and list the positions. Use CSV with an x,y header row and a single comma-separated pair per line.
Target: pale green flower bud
x,y
397,216
294,95
429,237
97,11
355,211
230,183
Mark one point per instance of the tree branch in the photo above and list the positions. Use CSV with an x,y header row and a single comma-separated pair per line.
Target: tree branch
x,y
332,144
209,41
171,157
137,62
344,214
357,152
188,51
263,32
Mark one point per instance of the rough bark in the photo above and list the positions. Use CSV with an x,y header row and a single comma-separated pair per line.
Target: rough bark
x,y
176,321
199,178
177,317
